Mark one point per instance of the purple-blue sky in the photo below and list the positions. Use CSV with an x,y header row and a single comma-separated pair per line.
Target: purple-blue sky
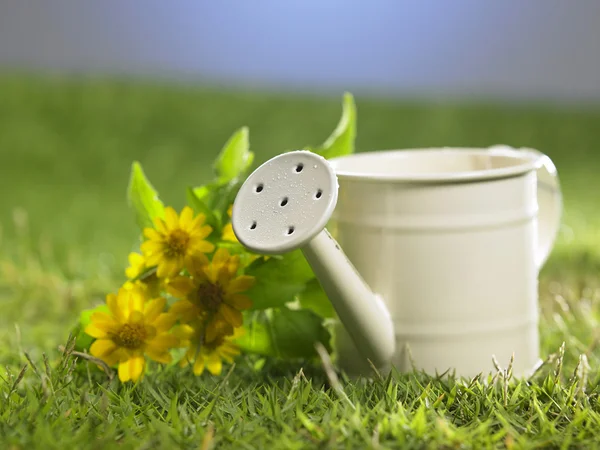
x,y
509,48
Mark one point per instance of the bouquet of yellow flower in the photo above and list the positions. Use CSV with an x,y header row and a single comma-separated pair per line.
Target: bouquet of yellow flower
x,y
192,289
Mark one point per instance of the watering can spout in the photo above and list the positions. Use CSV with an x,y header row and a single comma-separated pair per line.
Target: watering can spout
x,y
284,205
362,312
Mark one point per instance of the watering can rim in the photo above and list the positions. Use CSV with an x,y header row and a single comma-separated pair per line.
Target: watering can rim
x,y
529,160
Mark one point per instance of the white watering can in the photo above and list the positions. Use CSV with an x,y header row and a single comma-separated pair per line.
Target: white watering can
x,y
442,249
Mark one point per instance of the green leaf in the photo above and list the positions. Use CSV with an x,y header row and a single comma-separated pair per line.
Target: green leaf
x,y
235,157
224,196
82,340
297,331
341,141
258,336
143,198
218,195
203,192
278,280
313,298
284,333
199,206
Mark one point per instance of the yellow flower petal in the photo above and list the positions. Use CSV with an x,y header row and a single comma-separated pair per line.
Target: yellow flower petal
x,y
168,268
231,315
101,348
216,328
226,356
201,246
112,302
199,365
150,331
124,374
227,233
137,286
171,218
241,284
122,303
238,332
135,299
223,276
164,358
160,225
137,365
136,317
104,320
233,265
112,359
153,308
214,364
229,350
164,322
221,257
183,332
210,273
153,258
198,221
95,331
151,233
186,218
136,265
153,246
212,330
180,286
105,328
239,301
162,343
183,308
135,259
132,369
131,272
195,263
203,232
153,252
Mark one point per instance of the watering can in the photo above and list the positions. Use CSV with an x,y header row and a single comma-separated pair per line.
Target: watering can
x,y
435,260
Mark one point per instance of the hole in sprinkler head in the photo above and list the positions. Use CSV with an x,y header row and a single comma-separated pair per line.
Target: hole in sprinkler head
x,y
319,193
299,167
290,230
259,187
253,226
284,201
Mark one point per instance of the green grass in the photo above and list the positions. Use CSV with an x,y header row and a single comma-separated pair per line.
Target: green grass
x,y
65,152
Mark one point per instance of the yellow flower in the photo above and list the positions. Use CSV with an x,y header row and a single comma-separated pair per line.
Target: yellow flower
x,y
227,234
207,354
175,240
137,265
151,284
213,292
131,329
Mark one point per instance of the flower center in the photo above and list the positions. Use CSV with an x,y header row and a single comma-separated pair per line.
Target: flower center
x,y
215,343
177,243
131,336
210,296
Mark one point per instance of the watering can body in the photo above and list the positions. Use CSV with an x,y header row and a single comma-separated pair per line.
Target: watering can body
x,y
433,258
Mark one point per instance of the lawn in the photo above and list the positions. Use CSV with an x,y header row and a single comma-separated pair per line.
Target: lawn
x,y
66,148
